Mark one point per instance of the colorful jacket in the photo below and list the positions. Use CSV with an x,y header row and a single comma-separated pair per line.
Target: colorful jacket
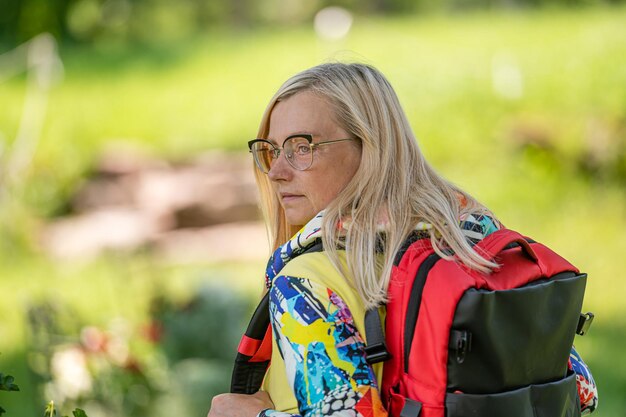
x,y
318,363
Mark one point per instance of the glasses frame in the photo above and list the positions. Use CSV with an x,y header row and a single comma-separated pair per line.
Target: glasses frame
x,y
278,150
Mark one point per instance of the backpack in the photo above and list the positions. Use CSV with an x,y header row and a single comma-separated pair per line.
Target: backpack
x,y
460,343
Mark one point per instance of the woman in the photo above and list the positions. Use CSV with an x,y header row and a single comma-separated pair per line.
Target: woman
x,y
338,162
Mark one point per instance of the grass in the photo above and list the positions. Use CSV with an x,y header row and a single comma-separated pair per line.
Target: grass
x,y
177,99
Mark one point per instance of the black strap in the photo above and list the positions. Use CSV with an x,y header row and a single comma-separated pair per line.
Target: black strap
x,y
415,300
376,349
248,376
260,319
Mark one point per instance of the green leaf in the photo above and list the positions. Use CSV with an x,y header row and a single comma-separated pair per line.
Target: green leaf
x,y
50,411
79,413
2,411
6,383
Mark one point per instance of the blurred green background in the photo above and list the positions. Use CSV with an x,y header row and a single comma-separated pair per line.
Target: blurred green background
x,y
522,103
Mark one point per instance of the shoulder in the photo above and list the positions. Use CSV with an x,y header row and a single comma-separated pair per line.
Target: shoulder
x,y
313,265
315,275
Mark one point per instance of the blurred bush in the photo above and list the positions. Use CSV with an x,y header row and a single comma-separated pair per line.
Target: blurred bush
x,y
188,330
174,363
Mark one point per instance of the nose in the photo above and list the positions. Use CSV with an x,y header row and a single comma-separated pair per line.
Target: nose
x,y
280,169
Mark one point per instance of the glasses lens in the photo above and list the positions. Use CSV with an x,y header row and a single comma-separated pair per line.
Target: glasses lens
x,y
263,154
298,152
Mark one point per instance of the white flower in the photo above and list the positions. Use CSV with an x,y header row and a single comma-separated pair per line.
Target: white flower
x,y
70,373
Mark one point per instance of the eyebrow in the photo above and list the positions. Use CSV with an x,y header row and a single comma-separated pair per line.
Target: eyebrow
x,y
296,133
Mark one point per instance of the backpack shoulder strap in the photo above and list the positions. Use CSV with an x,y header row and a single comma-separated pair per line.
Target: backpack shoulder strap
x,y
254,352
376,349
255,348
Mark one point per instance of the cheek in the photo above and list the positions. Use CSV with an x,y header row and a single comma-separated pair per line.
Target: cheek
x,y
328,188
331,179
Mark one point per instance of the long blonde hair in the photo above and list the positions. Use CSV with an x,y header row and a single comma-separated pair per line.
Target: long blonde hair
x,y
393,180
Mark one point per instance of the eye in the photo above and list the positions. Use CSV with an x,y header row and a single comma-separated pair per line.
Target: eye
x,y
302,149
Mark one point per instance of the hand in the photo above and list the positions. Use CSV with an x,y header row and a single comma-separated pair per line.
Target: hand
x,y
240,405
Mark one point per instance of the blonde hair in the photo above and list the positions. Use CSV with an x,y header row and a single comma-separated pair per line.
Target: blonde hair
x,y
393,180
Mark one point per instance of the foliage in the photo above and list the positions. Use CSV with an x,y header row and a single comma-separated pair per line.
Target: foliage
x,y
52,412
94,21
86,365
7,384
188,330
129,372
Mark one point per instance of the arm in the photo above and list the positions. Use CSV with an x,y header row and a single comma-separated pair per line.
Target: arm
x,y
239,405
323,352
587,390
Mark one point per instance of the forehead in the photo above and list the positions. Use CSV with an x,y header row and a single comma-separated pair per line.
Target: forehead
x,y
304,112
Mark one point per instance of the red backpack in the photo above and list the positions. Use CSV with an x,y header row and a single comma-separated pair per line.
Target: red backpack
x,y
460,343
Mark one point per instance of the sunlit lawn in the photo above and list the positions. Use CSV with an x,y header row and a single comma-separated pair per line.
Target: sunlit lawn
x,y
466,82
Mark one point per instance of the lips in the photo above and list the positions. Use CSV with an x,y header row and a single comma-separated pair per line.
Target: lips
x,y
288,197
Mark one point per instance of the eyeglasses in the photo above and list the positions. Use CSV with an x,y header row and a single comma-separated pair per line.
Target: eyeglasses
x,y
298,151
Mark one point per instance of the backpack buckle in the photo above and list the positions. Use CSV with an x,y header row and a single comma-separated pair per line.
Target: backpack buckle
x,y
461,343
584,322
376,353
